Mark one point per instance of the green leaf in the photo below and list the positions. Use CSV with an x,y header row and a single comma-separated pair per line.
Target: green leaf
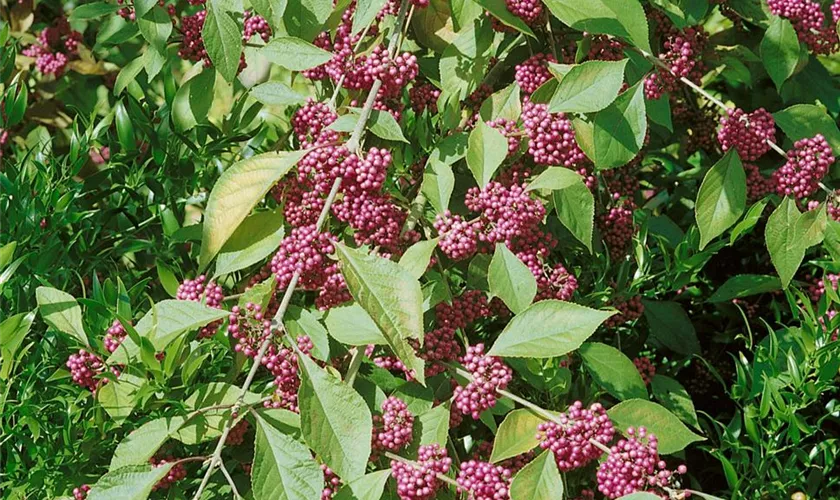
x,y
119,397
499,10
683,12
93,10
463,62
503,104
391,296
13,331
334,420
271,10
487,150
368,487
623,18
659,112
156,26
511,280
539,480
222,37
672,434
670,325
142,443
383,125
304,18
237,191
294,54
812,226
722,197
432,427
283,468
588,87
276,94
673,396
780,50
299,321
141,7
749,221
744,285
352,325
438,184
191,104
516,435
134,482
832,239
61,311
619,129
547,329
366,11
257,237
416,258
784,242
802,121
613,370
573,201
209,423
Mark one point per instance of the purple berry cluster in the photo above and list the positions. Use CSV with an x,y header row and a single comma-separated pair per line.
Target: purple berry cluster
x,y
236,436
248,326
527,10
439,346
333,483
816,289
483,480
809,23
114,336
634,465
81,492
532,73
211,294
605,48
282,362
175,474
84,366
465,309
489,374
424,96
646,368
682,56
254,24
551,138
629,309
807,163
421,482
617,228
758,186
749,133
571,440
458,237
392,429
55,47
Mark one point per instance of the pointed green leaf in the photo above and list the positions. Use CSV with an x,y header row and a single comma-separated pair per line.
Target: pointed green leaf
x,y
802,121
368,487
784,242
539,480
366,11
499,10
61,311
294,54
812,226
619,129
516,435
283,468
276,94
438,184
487,150
271,10
191,103
623,18
744,285
722,197
588,87
222,37
672,434
613,370
673,396
511,280
503,104
352,325
134,482
257,237
780,50
416,258
142,443
119,397
670,325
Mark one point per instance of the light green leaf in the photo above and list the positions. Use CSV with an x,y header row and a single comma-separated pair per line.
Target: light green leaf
x,y
780,50
294,54
547,329
573,201
499,10
487,150
237,191
588,87
416,258
305,18
383,125
670,325
392,298
61,311
812,226
257,237
366,11
334,421
271,10
142,443
516,435
613,370
283,468
299,321
463,62
722,197
511,280
539,480
802,121
119,397
623,18
749,221
156,26
222,37
659,112
832,239
683,12
134,482
619,129
673,396
672,434
784,242
432,427
209,423
438,184
92,11
352,325
13,331
503,104
368,487
191,104
744,285
276,94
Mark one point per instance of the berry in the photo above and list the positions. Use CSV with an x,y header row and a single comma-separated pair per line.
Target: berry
x,y
310,120
255,25
465,309
458,238
646,368
114,336
629,309
84,366
551,137
333,483
682,57
527,10
634,465
604,48
570,441
421,482
532,73
424,96
81,492
617,228
212,296
489,374
483,480
807,163
758,186
392,430
175,474
509,130
749,133
236,436
809,23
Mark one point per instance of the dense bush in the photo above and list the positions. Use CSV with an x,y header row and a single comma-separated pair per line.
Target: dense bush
x,y
479,249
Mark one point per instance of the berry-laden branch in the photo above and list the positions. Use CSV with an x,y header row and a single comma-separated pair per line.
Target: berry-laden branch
x,y
277,322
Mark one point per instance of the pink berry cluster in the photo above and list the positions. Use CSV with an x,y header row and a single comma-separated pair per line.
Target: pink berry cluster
x,y
570,440
421,482
807,163
175,474
646,368
211,294
465,309
758,186
617,228
55,47
532,73
254,24
310,120
489,374
749,133
508,129
551,138
832,205
508,215
84,366
682,56
236,436
633,464
817,287
439,346
629,309
114,336
553,282
809,23
527,10
192,44
128,13
81,492
392,429
458,237
283,364
333,483
248,326
622,182
483,480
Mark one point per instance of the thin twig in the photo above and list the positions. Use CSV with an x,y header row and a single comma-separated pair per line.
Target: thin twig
x,y
355,363
236,494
